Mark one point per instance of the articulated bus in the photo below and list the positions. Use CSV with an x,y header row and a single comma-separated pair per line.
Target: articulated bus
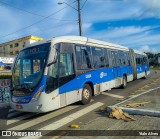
x,y
51,74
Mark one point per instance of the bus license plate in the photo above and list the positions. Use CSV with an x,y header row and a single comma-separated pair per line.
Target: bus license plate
x,y
19,106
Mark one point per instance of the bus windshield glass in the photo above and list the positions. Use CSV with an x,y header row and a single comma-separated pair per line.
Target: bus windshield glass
x,y
29,67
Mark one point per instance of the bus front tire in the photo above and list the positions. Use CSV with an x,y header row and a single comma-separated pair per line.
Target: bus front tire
x,y
86,94
124,83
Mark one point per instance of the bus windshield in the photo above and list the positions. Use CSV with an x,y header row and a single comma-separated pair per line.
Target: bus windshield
x,y
29,67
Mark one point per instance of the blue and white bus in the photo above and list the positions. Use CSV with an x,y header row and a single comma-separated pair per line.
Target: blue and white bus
x,y
51,74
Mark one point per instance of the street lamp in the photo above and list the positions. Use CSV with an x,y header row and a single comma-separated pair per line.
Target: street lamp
x,y
79,14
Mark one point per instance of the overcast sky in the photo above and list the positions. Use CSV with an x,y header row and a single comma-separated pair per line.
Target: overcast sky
x,y
132,23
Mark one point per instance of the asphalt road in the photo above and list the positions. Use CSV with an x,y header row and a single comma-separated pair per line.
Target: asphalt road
x,y
74,114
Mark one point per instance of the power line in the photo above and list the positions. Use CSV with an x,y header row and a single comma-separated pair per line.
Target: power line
x,y
42,30
35,22
3,3
83,4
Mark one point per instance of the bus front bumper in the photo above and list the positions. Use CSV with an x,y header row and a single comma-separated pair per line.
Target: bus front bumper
x,y
29,107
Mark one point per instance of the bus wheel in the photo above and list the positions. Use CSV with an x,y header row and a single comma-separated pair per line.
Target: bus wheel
x,y
86,94
124,84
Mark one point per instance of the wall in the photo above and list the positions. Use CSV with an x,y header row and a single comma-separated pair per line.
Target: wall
x,y
4,91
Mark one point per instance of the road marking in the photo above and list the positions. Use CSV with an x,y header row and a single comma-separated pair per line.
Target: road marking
x,y
72,117
11,121
112,95
69,118
136,96
92,100
14,113
44,118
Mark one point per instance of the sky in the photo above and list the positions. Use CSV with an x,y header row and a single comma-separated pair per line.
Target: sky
x,y
131,23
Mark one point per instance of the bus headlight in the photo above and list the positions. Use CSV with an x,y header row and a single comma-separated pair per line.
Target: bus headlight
x,y
37,94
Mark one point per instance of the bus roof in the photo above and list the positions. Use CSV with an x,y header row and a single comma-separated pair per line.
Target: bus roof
x,y
83,41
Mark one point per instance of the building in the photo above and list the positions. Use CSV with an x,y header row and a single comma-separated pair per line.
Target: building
x,y
12,48
9,50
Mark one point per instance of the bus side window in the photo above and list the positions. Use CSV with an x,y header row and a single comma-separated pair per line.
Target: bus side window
x,y
83,57
122,58
98,57
137,59
106,57
129,59
66,64
126,58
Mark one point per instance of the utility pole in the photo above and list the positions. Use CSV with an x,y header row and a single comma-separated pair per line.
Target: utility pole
x,y
79,18
79,14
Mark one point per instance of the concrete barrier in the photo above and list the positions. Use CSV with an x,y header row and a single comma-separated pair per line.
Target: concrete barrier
x,y
4,92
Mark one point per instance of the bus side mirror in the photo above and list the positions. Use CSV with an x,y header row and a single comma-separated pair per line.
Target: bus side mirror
x,y
52,57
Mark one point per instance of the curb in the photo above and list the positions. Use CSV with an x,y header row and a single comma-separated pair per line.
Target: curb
x,y
136,96
134,111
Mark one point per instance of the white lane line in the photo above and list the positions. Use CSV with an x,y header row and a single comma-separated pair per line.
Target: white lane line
x,y
136,96
44,118
11,121
69,118
112,95
14,113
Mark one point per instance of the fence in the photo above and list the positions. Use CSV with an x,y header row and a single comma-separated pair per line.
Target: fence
x,y
4,91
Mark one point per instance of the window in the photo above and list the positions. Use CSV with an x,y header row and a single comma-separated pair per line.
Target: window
x,y
106,57
66,64
129,59
16,52
83,57
36,65
98,57
16,45
11,46
26,67
138,59
11,53
123,58
52,78
141,60
115,59
145,60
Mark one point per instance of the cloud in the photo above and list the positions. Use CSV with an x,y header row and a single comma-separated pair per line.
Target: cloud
x,y
94,11
151,8
147,48
110,10
130,36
